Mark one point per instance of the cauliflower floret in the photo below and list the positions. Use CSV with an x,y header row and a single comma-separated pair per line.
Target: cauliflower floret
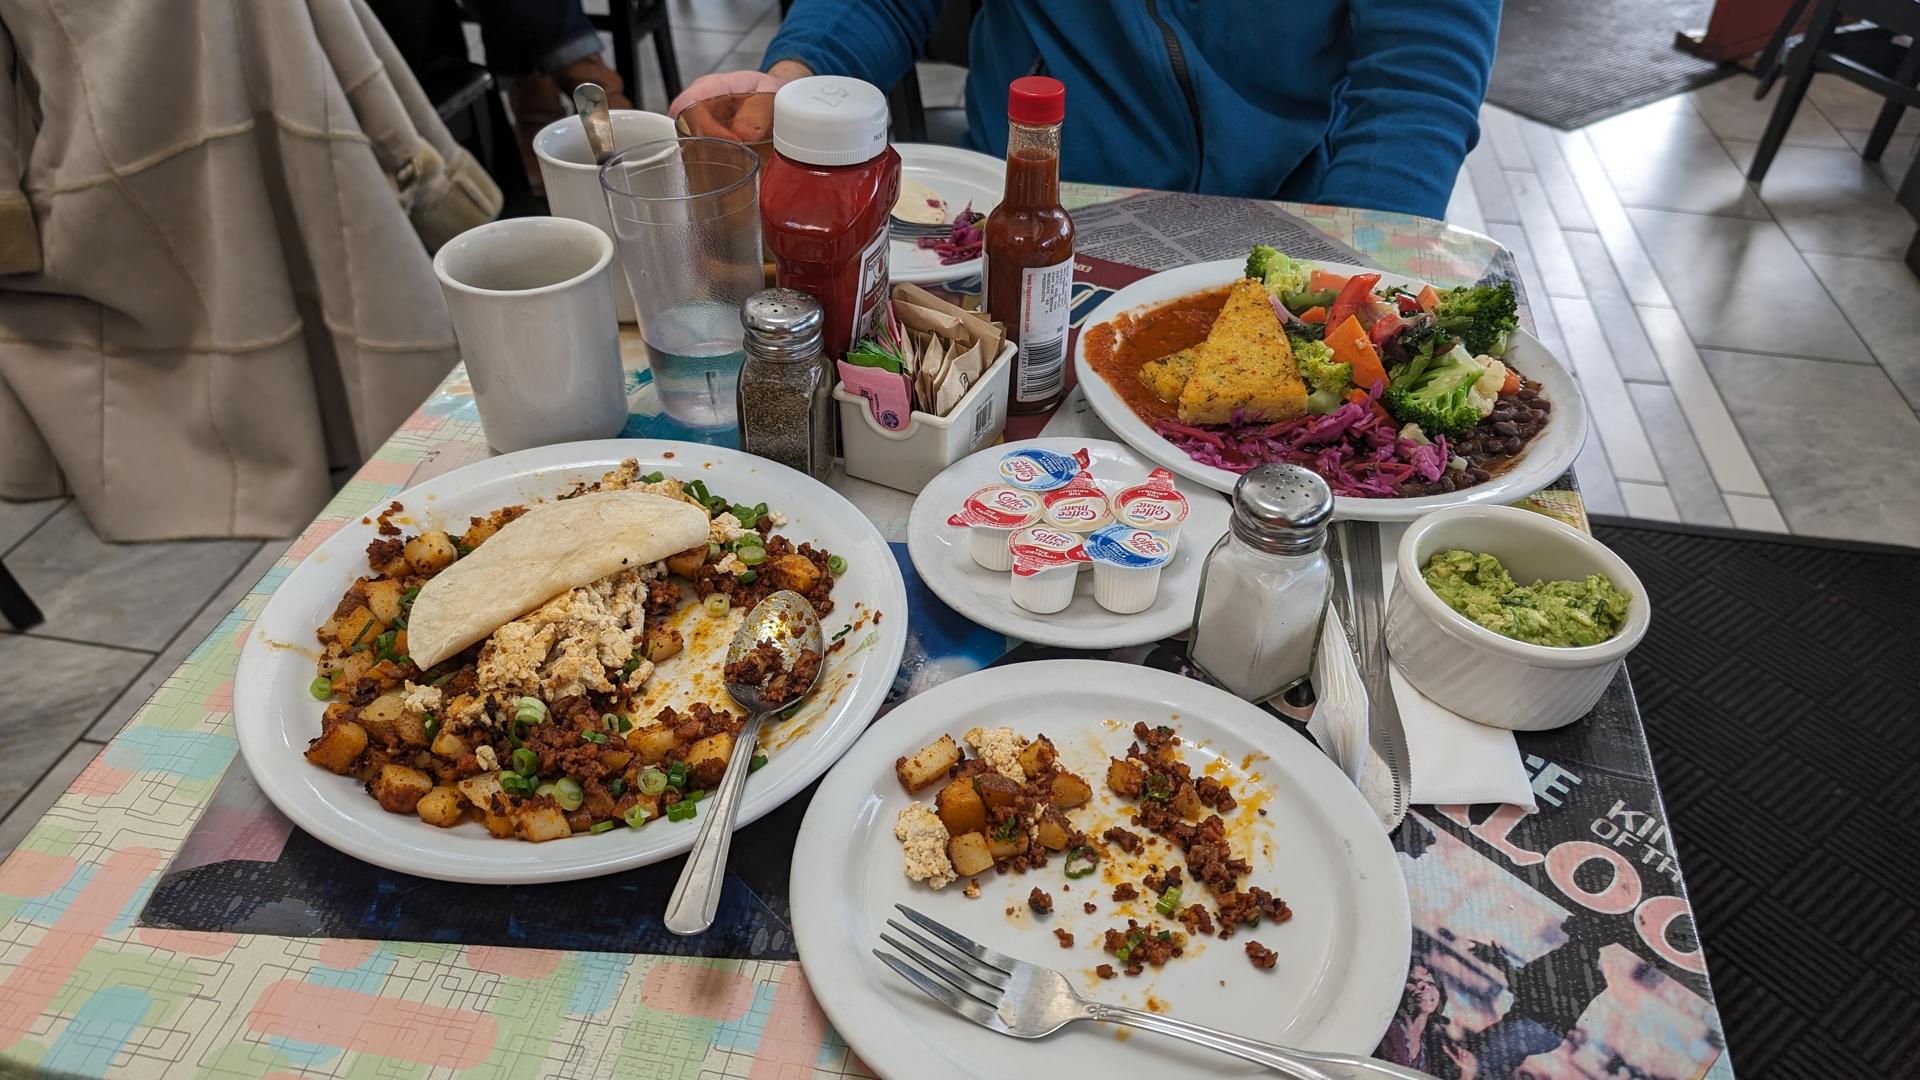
x,y
420,699
725,529
1000,748
925,839
1486,389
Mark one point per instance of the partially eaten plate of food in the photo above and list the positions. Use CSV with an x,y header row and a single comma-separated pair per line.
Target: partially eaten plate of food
x,y
515,672
1404,397
1160,842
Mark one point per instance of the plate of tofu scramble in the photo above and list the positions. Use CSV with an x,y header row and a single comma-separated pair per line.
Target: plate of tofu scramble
x,y
1160,842
1209,371
512,672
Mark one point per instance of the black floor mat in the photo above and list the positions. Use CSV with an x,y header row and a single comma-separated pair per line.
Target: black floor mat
x,y
1779,685
1571,62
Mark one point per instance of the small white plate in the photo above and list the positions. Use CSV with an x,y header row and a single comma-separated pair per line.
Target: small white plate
x,y
275,716
1550,454
940,554
1343,955
960,177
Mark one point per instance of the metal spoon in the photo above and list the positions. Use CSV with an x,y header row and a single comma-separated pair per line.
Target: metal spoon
x,y
787,620
590,101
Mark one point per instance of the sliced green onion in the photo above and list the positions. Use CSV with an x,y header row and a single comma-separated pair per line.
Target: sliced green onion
x,y
514,784
748,576
1159,788
684,810
1166,935
618,787
529,710
432,726
713,550
363,632
594,736
442,680
626,725
653,477
461,550
696,795
1004,833
717,603
321,688
599,827
1081,862
526,762
546,789
652,781
407,597
759,761
632,665
836,565
1133,941
1169,900
751,554
677,775
568,793
636,816
698,488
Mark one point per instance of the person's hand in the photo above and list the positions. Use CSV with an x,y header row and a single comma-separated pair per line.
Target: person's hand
x,y
754,119
1462,1059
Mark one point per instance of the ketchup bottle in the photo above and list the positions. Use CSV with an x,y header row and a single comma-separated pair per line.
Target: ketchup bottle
x,y
825,197
1029,246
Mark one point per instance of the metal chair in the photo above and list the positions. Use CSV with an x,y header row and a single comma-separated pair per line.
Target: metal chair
x,y
15,605
1867,58
630,21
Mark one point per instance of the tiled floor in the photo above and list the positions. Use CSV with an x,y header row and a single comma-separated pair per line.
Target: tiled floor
x,y
1752,357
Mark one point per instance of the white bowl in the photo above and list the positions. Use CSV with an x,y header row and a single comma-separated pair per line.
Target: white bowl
x,y
1488,677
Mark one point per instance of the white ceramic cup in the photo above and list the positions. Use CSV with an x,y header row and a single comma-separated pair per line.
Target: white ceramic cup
x,y
532,305
573,180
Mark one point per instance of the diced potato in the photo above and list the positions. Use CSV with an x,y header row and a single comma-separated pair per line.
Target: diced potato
x,y
1070,791
541,822
358,628
969,854
499,826
381,716
663,641
355,667
398,788
338,748
615,760
1037,755
1015,844
795,572
1125,777
686,563
930,764
411,728
651,803
383,597
442,806
450,746
1186,803
997,790
478,531
654,743
707,760
1052,831
336,712
960,808
480,790
431,551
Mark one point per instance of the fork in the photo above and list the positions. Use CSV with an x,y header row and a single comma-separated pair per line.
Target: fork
x,y
1028,1001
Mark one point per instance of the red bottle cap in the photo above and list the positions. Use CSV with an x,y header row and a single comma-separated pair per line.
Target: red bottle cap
x,y
1036,99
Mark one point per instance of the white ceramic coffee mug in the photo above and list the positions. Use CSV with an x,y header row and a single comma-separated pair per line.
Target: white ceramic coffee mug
x,y
532,305
573,180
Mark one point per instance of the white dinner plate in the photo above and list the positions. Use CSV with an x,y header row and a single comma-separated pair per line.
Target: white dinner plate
x,y
940,554
1343,955
958,176
276,716
1549,455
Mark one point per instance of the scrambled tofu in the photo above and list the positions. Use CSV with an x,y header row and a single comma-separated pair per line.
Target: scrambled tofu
x,y
572,643
1245,366
725,529
626,477
1000,748
420,699
925,840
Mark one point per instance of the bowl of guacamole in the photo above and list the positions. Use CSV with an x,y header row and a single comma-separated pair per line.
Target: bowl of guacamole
x,y
1509,617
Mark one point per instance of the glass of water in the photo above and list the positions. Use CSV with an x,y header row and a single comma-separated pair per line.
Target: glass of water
x,y
686,221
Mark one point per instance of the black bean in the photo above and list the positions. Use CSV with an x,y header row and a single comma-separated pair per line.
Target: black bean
x,y
1505,427
1478,476
1527,393
1543,405
1514,444
1446,483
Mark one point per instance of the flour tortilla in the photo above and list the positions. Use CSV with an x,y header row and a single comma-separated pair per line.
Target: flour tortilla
x,y
541,554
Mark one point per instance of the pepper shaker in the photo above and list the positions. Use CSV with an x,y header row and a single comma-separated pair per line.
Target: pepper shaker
x,y
1265,586
785,414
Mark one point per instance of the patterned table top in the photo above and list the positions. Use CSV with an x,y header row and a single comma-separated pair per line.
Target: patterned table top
x,y
85,990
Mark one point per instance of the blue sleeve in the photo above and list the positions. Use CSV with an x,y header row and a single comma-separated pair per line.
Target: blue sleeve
x,y
875,40
1412,103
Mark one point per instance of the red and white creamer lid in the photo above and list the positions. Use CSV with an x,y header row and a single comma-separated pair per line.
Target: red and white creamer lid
x,y
1156,504
1080,506
998,506
1038,547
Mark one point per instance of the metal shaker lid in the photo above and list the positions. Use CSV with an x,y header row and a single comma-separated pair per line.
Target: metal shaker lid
x,y
1282,509
782,324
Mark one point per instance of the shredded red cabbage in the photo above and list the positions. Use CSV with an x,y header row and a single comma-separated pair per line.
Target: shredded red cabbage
x,y
1352,448
962,243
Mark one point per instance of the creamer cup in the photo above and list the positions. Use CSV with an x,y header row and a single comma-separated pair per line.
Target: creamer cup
x,y
1046,564
1156,505
1126,566
1079,507
990,515
1034,469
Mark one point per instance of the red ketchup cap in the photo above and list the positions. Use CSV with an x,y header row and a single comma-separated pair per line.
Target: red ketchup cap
x,y
1036,99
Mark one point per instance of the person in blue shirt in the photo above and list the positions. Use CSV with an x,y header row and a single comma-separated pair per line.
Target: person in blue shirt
x,y
1362,103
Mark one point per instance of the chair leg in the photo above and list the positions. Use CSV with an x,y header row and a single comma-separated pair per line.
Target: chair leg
x,y
1768,68
1799,77
15,605
1908,75
669,60
626,51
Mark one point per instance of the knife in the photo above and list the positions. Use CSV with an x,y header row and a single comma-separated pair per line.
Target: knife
x,y
1367,630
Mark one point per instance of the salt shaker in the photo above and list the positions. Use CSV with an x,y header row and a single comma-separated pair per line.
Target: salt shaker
x,y
785,414
1264,589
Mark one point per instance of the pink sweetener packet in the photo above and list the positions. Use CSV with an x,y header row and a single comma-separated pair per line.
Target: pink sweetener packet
x,y
886,394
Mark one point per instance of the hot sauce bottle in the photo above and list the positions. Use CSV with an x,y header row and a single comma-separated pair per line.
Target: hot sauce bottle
x,y
1029,247
824,200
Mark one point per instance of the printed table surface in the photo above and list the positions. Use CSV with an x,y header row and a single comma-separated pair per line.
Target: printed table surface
x,y
1560,942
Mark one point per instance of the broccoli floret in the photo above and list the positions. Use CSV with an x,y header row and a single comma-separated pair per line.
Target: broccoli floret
x,y
1318,367
1277,272
1436,395
1480,315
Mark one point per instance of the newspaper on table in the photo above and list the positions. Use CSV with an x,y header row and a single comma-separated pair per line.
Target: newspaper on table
x,y
1166,228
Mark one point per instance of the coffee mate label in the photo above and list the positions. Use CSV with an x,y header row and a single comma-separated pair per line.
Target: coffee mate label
x,y
1038,548
1080,506
1034,469
1156,504
998,506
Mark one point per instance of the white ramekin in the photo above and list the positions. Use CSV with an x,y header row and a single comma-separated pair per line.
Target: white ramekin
x,y
1485,676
